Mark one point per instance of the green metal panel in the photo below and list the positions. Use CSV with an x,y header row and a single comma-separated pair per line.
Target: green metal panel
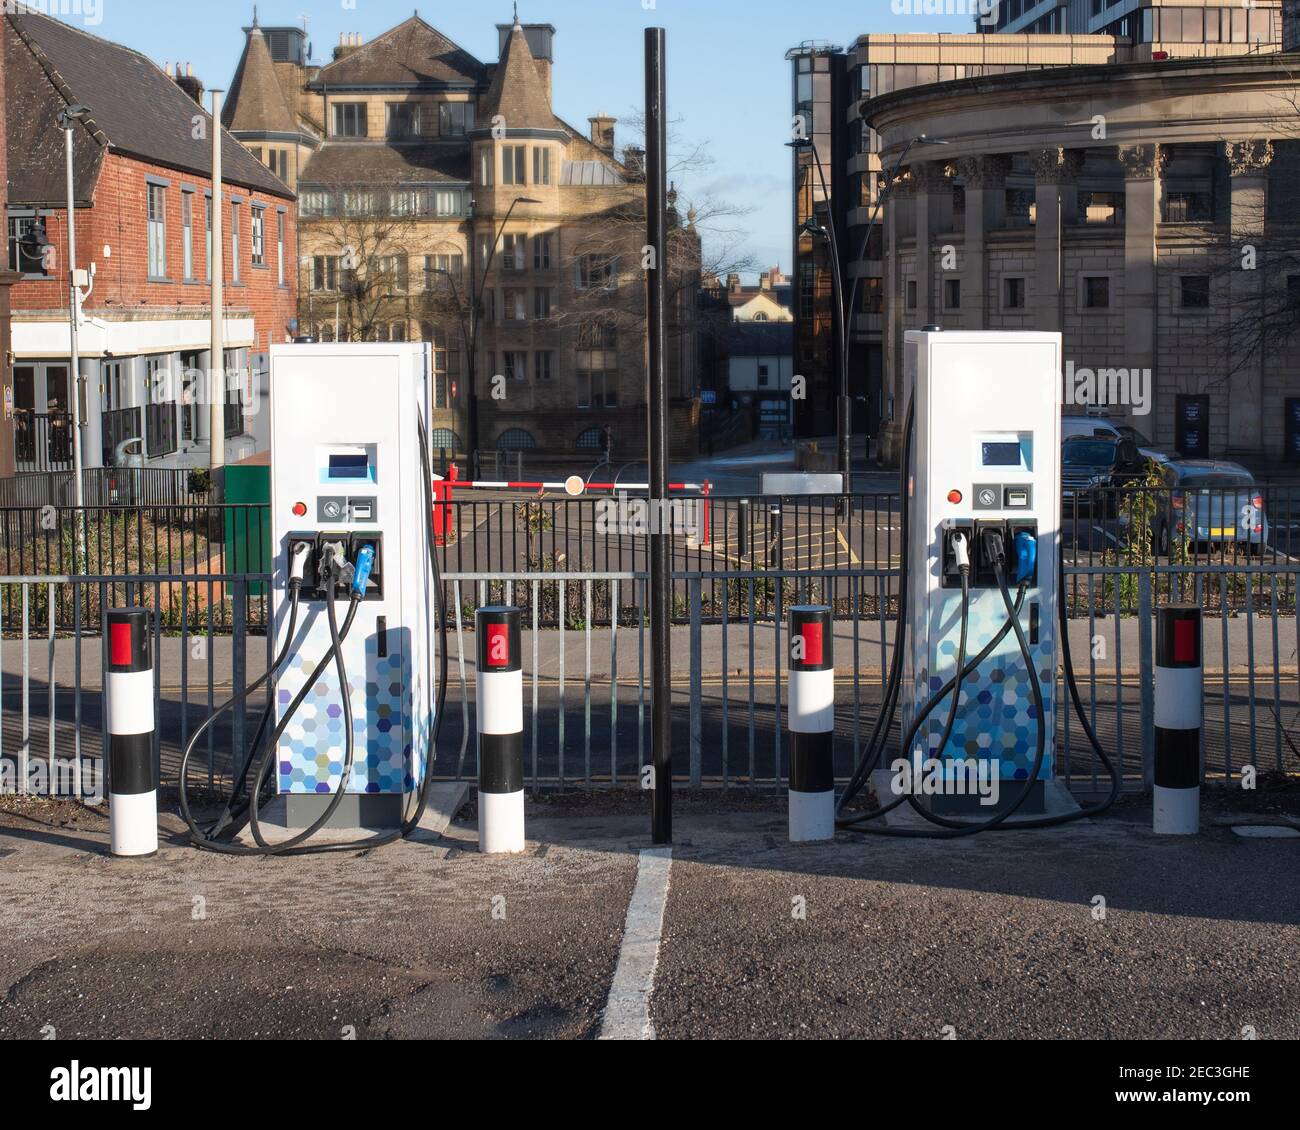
x,y
248,518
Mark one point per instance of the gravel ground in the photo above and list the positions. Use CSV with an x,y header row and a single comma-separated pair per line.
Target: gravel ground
x,y
996,936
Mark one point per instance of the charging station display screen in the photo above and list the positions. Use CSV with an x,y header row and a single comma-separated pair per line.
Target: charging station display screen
x,y
1000,454
349,466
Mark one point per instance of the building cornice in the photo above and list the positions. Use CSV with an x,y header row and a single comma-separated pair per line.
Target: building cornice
x,y
1118,98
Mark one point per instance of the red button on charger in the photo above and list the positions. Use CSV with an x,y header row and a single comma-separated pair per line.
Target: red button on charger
x,y
300,509
954,496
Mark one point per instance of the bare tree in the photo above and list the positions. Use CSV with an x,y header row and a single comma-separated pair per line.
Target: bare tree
x,y
1254,254
705,239
358,268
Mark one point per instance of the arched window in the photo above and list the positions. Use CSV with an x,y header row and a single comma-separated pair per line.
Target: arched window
x,y
515,439
760,317
444,439
592,438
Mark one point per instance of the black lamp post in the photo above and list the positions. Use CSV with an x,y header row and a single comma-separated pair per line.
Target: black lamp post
x,y
845,303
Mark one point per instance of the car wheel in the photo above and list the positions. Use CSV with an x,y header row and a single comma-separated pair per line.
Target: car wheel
x,y
1160,541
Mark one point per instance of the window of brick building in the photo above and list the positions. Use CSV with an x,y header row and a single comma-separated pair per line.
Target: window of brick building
x,y
235,213
22,257
187,234
257,244
157,231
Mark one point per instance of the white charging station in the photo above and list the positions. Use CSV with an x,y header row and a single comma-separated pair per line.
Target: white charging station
x,y
346,470
987,453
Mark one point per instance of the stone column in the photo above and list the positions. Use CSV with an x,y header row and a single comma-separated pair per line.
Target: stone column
x,y
1056,175
1143,165
931,182
1248,163
891,335
986,209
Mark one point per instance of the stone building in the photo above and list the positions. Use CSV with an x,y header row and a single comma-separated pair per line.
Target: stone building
x,y
832,85
1106,202
439,179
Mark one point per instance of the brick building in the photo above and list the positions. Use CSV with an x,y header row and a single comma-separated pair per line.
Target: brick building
x,y
7,278
142,184
439,177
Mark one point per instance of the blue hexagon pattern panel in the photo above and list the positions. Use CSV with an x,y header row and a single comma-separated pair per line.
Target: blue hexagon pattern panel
x,y
312,746
996,716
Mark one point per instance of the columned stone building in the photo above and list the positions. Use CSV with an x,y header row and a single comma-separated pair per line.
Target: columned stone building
x,y
831,85
1146,210
446,201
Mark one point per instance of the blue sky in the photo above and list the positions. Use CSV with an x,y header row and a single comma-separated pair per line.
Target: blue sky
x,y
729,82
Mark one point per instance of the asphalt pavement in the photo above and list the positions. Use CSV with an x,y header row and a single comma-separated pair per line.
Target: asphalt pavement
x,y
1092,931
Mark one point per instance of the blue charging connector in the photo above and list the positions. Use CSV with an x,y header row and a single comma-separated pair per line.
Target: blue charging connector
x,y
1026,555
365,563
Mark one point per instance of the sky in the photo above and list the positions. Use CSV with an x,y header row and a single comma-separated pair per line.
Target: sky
x,y
728,80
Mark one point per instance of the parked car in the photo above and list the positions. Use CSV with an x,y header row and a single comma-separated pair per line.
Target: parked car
x,y
1210,502
1087,426
1093,468
1145,447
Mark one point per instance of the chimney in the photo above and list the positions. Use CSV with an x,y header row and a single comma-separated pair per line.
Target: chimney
x,y
765,281
190,83
602,133
349,41
634,161
733,283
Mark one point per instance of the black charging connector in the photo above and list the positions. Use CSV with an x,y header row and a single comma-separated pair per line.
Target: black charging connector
x,y
990,548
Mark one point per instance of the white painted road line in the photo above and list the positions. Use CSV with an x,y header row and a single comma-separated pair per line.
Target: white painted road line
x,y
627,1012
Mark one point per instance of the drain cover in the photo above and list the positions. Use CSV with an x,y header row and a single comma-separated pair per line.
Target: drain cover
x,y
1265,832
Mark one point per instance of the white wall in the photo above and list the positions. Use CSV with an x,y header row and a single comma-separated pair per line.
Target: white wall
x,y
743,374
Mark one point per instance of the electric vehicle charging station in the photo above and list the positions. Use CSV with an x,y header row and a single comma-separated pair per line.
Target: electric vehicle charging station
x,y
346,482
987,470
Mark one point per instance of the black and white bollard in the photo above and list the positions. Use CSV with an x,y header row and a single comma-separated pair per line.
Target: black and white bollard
x,y
500,731
811,721
1179,692
128,686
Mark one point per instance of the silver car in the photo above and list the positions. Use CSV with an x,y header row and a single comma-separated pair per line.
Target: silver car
x,y
1211,502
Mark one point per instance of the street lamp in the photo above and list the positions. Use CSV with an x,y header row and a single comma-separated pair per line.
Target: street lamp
x,y
920,139
67,116
845,303
471,338
843,418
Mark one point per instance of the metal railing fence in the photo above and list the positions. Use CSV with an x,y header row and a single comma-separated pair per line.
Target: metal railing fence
x,y
586,670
